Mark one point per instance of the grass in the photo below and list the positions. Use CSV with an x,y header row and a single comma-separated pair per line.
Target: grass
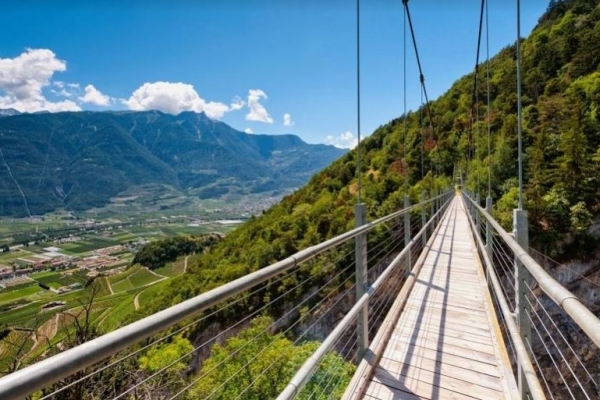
x,y
132,278
42,275
142,277
88,245
13,255
49,278
20,293
119,312
54,285
122,286
150,293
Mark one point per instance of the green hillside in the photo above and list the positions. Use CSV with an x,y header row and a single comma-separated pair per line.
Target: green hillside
x,y
561,95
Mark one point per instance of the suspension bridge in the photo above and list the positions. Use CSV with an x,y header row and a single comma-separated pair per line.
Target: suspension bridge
x,y
433,301
447,304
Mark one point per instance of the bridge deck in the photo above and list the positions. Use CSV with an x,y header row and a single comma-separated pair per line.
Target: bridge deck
x,y
446,344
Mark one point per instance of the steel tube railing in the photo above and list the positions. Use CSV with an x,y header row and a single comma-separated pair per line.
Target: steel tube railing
x,y
570,303
44,373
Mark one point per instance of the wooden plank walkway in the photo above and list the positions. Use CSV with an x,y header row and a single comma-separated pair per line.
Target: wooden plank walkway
x,y
446,343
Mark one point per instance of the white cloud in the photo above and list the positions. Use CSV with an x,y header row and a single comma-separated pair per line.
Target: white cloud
x,y
287,120
345,140
23,78
175,97
94,96
248,131
257,110
237,104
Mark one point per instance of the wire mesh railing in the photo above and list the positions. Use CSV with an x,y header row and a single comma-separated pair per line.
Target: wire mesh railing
x,y
246,339
558,331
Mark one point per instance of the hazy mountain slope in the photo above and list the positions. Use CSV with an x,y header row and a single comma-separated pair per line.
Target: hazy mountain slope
x,y
79,160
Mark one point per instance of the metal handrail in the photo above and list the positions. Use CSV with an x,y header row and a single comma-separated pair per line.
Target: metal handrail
x,y
51,370
566,300
535,388
302,376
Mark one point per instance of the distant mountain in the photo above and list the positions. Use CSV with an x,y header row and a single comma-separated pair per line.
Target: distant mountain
x,y
8,112
78,160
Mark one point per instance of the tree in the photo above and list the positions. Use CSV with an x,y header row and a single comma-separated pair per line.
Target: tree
x,y
169,361
257,364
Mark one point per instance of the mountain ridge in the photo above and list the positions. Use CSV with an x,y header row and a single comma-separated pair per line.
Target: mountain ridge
x,y
86,157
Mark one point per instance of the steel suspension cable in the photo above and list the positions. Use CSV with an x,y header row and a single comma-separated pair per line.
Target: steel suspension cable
x,y
421,76
359,166
404,163
476,80
519,111
422,136
489,120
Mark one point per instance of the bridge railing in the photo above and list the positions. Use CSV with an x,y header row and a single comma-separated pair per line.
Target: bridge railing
x,y
551,334
249,335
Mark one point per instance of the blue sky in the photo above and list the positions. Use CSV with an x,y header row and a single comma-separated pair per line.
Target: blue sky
x,y
247,63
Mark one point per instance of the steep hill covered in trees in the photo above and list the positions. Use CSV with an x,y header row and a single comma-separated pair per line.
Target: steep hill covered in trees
x,y
561,96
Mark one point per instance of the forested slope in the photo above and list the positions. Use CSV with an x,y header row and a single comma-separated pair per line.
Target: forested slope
x,y
561,96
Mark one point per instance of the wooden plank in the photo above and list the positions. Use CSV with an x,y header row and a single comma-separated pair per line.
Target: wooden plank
x,y
430,329
433,340
425,383
454,297
462,360
474,310
449,315
451,298
470,329
447,349
379,391
439,368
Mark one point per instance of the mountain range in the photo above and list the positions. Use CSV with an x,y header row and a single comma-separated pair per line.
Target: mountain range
x,y
79,160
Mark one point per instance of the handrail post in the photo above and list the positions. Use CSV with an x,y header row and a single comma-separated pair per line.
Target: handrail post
x,y
424,216
362,334
489,246
477,217
433,204
523,279
407,235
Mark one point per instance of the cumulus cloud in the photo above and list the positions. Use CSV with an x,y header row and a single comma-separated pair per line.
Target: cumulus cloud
x,y
257,110
248,131
237,104
23,78
287,120
175,97
345,140
94,96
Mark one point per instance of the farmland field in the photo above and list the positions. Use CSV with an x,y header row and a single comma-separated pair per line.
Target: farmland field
x,y
143,277
88,245
20,293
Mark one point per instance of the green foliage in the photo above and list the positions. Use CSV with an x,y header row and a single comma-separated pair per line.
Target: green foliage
x,y
256,364
156,254
581,218
178,353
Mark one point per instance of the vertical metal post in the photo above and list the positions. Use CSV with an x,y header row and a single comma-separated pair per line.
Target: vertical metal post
x,y
523,279
477,216
433,206
361,282
489,247
424,216
407,235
